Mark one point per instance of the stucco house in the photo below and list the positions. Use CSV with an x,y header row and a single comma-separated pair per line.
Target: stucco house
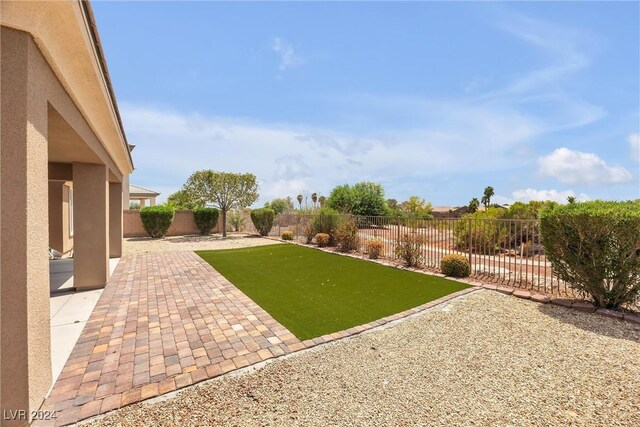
x,y
141,195
64,168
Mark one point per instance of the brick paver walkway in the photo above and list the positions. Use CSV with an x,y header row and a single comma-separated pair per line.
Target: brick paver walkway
x,y
165,321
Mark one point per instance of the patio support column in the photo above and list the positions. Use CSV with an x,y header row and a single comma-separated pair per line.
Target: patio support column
x,y
25,343
152,201
90,226
115,219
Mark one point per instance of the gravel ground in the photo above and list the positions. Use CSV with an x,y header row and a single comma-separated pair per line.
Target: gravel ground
x,y
485,360
142,245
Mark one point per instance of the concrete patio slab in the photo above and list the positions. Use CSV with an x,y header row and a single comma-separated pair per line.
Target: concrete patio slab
x,y
70,312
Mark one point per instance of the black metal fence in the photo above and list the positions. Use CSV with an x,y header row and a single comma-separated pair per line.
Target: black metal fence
x,y
507,252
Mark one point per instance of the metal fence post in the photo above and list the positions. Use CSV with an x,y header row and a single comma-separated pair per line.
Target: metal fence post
x,y
469,241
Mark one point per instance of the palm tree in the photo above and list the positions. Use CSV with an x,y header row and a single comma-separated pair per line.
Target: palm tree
x,y
473,205
322,200
486,198
314,198
299,200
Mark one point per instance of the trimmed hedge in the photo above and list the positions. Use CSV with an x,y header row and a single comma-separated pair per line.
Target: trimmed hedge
x,y
595,248
263,220
156,220
206,219
455,265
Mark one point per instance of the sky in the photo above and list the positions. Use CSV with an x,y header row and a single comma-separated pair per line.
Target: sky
x,y
539,100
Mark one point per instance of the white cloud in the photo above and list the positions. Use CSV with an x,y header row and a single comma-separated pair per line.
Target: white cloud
x,y
528,194
288,56
576,167
634,146
289,159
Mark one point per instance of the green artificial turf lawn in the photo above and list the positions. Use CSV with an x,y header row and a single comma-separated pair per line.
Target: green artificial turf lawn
x,y
313,293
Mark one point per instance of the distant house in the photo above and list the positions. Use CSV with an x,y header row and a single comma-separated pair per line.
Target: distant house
x,y
449,211
458,211
141,195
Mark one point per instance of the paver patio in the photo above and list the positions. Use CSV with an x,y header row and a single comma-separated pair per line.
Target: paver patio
x,y
164,321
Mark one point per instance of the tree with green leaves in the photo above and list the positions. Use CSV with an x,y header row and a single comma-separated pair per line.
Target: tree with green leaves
x,y
181,199
224,190
415,207
364,198
486,197
279,205
571,200
474,204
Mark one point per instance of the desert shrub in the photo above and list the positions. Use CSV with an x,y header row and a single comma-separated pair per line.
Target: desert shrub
x,y
488,234
263,220
455,265
409,248
374,247
236,219
205,219
347,236
326,222
307,229
156,220
595,248
322,239
287,235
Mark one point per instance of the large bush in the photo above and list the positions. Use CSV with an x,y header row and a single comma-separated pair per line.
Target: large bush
x,y
364,198
595,248
347,236
455,265
483,231
263,220
206,219
326,222
157,219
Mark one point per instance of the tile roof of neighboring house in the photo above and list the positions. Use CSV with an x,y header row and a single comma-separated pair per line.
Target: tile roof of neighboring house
x,y
444,208
134,190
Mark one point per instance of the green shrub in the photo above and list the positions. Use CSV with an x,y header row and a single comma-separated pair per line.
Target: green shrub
x,y
595,248
488,234
347,236
374,247
409,248
156,220
287,235
455,265
263,220
206,219
322,239
326,222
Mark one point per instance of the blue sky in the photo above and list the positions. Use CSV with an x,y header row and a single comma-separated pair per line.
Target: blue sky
x,y
539,100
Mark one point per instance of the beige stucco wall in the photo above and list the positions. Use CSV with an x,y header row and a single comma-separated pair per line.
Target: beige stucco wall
x,y
25,361
40,123
183,224
60,232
